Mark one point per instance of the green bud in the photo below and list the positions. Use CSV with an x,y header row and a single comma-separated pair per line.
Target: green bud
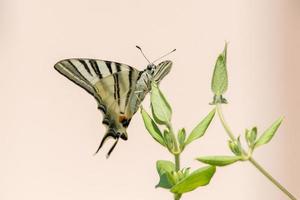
x,y
235,147
181,136
175,176
180,175
168,140
219,83
186,171
251,136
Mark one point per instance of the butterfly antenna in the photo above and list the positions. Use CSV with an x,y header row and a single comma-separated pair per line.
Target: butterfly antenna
x,y
164,55
112,148
143,53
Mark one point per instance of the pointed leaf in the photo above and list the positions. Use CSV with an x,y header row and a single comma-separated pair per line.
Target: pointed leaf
x,y
152,127
219,160
163,166
219,82
165,169
200,129
165,181
196,179
269,133
161,109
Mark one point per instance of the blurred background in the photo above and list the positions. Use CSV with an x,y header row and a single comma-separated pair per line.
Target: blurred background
x,y
50,128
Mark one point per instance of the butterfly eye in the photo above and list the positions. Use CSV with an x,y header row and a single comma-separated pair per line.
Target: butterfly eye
x,y
149,67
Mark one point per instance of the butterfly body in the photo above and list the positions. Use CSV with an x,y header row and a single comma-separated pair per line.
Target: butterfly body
x,y
118,89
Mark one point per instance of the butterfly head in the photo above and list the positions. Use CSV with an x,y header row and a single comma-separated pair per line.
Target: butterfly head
x,y
150,69
157,72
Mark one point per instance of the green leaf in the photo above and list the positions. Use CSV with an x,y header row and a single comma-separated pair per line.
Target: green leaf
x,y
163,166
219,82
196,179
269,133
165,169
152,127
161,109
181,138
219,160
165,181
200,129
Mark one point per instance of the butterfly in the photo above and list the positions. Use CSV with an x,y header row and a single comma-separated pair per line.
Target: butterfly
x,y
119,89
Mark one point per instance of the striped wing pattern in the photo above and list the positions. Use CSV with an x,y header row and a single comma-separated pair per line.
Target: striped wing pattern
x,y
112,84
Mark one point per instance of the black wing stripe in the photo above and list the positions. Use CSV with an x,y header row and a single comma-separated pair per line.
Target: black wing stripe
x,y
130,86
117,84
85,66
74,81
77,71
108,65
95,66
118,66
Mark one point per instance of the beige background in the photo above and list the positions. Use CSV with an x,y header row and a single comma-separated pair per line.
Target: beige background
x,y
50,128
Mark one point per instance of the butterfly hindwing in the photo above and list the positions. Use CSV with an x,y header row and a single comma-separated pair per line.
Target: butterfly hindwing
x,y
111,83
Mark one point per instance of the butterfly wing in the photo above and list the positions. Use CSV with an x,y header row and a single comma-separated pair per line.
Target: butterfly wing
x,y
111,83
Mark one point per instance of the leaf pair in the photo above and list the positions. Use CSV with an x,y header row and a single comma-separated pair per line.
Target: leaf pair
x,y
169,178
162,113
250,138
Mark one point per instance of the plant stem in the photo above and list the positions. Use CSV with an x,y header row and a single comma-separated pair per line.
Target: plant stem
x,y
226,127
251,159
264,172
177,196
176,155
177,162
177,168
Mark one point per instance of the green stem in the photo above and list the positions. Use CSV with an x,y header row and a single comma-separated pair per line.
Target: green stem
x,y
177,168
176,152
177,162
251,159
275,182
226,127
177,196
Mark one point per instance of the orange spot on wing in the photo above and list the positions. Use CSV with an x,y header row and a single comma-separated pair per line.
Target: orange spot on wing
x,y
122,118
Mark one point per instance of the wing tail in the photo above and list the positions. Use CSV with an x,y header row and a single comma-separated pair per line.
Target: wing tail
x,y
110,133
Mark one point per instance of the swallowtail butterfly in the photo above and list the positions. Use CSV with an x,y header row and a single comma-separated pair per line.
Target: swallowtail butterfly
x,y
118,89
